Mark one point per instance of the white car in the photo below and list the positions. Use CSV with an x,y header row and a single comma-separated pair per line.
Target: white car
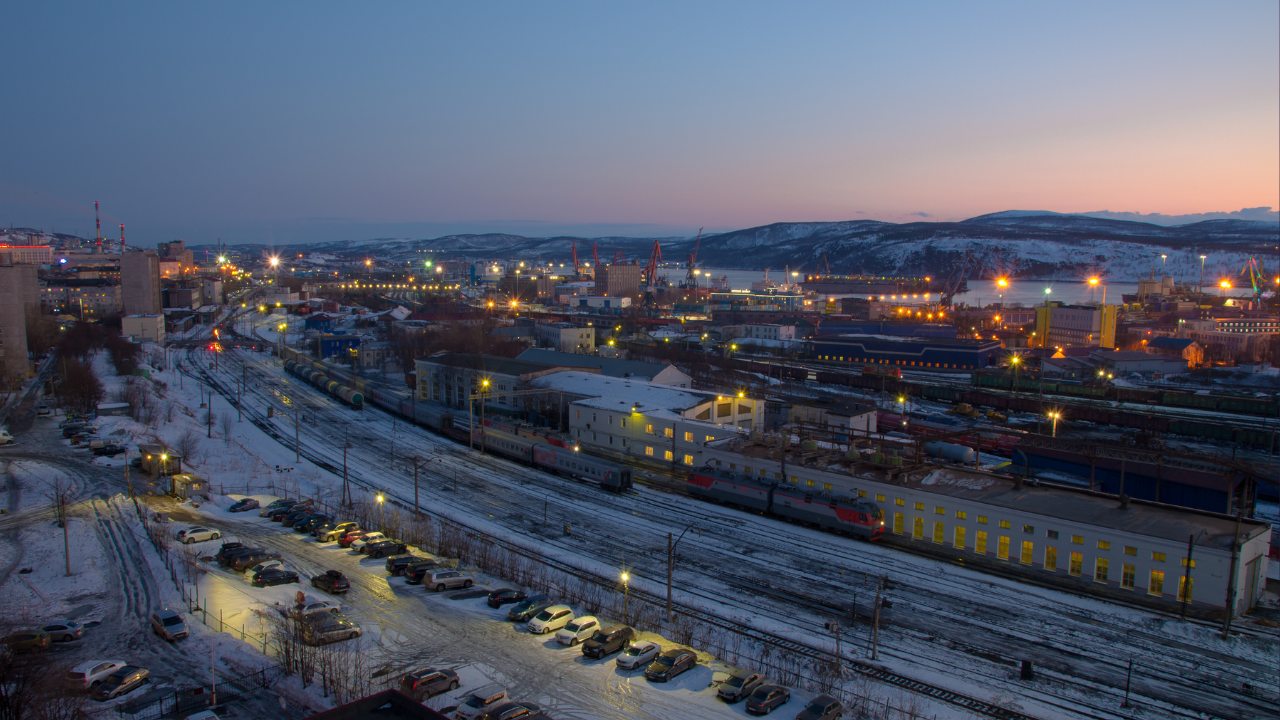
x,y
86,676
316,606
480,701
252,573
371,537
580,629
638,655
5,437
197,534
551,619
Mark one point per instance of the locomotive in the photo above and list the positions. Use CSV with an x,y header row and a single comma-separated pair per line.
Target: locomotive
x,y
848,516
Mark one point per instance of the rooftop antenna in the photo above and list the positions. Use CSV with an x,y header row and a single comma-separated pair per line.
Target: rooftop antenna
x,y
98,223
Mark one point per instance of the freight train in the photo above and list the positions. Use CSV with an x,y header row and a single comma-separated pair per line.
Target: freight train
x,y
547,451
847,516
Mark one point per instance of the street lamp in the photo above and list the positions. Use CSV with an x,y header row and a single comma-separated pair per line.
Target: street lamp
x,y
1054,415
380,522
1093,283
1202,257
1002,283
164,463
626,595
902,399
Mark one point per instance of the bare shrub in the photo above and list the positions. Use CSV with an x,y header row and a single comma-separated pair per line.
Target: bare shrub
x,y
226,424
189,446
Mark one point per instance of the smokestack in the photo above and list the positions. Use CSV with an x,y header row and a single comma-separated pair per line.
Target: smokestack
x,y
97,221
122,238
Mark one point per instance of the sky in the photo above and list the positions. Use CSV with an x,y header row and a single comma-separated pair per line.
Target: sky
x,y
289,122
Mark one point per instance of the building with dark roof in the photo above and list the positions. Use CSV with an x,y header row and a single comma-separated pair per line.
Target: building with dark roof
x,y
386,705
451,378
659,373
906,352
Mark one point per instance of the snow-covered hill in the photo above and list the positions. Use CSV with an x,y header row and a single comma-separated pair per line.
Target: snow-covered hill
x,y
1018,243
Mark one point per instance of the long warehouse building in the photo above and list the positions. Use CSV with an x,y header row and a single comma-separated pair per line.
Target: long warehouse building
x,y
906,352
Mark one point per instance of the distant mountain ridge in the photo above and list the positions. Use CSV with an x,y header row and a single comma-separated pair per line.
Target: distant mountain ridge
x,y
1017,243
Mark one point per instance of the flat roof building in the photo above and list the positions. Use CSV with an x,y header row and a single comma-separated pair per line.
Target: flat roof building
x,y
913,352
658,373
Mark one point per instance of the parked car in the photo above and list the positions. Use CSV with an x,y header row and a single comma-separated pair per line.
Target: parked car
x,y
327,630
577,630
480,701
5,437
384,548
88,675
439,580
27,641
76,420
109,450
424,683
414,574
345,539
551,619
331,581
396,564
365,539
120,682
767,698
606,641
638,654
498,598
226,549
169,625
306,608
275,576
333,530
275,505
311,522
739,686
293,515
527,608
512,711
244,505
670,664
79,428
43,409
64,631
252,573
244,561
822,707
197,534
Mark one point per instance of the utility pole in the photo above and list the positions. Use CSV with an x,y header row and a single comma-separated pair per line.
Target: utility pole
x,y
671,564
346,490
1185,590
66,541
875,628
1231,578
297,448
1128,679
208,415
415,484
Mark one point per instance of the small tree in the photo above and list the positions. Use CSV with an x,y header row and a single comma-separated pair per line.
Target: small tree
x,y
226,424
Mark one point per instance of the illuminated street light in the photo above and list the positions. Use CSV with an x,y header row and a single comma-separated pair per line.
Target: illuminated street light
x,y
1054,415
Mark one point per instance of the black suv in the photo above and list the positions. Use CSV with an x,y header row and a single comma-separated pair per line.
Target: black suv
x,y
414,573
383,548
422,684
228,559
275,576
397,564
608,641
498,598
226,548
526,609
244,561
306,524
332,581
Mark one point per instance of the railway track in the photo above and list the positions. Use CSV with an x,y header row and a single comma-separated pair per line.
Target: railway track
x,y
492,464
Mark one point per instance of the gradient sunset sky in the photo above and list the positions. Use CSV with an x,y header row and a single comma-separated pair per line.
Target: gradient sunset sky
x,y
282,122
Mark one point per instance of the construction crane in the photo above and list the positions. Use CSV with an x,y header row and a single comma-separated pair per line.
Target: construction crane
x,y
968,261
826,266
575,257
690,280
650,274
1257,276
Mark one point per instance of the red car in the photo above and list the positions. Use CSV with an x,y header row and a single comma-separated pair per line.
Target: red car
x,y
347,539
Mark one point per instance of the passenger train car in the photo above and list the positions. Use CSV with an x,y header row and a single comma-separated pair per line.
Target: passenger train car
x,y
849,516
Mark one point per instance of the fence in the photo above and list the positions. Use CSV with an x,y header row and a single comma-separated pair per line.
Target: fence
x,y
181,702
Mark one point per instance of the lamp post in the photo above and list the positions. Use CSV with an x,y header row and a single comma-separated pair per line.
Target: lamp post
x,y
626,595
1002,283
1054,415
1015,361
381,523
1201,287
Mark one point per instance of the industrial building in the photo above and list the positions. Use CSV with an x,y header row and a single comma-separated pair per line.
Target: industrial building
x,y
906,352
566,337
140,282
1061,325
618,280
645,420
19,295
144,328
1087,541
